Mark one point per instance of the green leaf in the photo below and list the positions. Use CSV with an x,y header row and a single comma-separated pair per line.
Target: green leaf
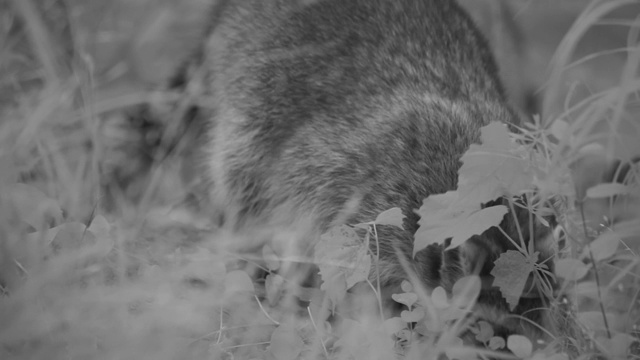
x,y
343,260
439,298
485,331
571,269
72,236
465,291
407,299
618,346
237,281
497,167
511,272
455,350
364,341
272,261
608,190
560,129
34,207
393,325
412,316
392,216
594,321
100,227
520,346
286,343
442,217
496,343
273,286
603,247
406,286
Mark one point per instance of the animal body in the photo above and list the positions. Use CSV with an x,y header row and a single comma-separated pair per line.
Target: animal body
x,y
331,111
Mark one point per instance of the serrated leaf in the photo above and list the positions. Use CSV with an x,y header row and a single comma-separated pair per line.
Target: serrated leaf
x,y
237,281
511,272
571,269
392,216
465,291
520,346
407,299
441,218
603,247
286,343
343,260
608,190
497,167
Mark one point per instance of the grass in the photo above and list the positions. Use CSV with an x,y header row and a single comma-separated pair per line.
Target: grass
x,y
146,279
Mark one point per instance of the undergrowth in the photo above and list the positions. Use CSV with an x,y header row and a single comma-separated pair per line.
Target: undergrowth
x,y
149,278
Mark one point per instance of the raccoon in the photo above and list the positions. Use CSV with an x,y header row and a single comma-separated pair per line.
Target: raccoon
x,y
331,111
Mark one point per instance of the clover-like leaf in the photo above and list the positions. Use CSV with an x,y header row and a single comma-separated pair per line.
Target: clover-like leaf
x,y
414,315
407,299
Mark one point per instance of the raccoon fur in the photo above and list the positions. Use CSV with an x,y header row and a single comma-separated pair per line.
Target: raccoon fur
x,y
331,111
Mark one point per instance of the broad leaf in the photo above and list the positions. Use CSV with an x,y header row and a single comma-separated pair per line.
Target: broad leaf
x,y
496,168
237,281
603,247
443,216
520,346
571,269
510,274
465,291
286,343
343,260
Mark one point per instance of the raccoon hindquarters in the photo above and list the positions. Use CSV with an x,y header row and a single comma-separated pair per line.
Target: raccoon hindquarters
x,y
330,112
